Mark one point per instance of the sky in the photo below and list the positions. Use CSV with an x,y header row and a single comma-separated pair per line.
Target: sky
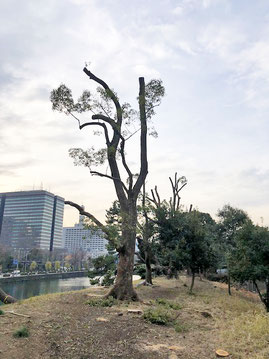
x,y
213,126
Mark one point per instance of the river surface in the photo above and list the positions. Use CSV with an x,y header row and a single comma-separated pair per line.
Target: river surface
x,y
31,288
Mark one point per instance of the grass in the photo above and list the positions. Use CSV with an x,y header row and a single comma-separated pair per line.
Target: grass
x,y
102,302
22,332
168,304
158,315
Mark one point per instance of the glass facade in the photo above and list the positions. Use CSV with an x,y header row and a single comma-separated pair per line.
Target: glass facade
x,y
31,219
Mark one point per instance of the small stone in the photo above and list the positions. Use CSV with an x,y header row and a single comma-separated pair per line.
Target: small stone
x,y
120,314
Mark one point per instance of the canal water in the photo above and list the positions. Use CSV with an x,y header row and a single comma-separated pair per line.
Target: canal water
x,y
31,288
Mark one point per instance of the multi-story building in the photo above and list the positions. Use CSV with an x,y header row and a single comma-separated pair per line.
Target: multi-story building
x,y
80,238
31,219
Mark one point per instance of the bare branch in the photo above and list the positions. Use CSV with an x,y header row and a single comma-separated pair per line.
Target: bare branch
x,y
108,91
110,177
88,215
125,164
97,124
143,138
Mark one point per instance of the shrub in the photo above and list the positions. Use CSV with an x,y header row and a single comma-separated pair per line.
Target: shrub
x,y
94,281
108,278
102,302
158,315
141,270
169,305
22,332
2,312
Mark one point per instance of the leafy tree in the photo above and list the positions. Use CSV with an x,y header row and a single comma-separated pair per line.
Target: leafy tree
x,y
33,266
168,223
48,266
231,220
112,118
195,250
249,259
57,265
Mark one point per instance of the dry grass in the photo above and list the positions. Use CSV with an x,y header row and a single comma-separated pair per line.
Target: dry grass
x,y
63,326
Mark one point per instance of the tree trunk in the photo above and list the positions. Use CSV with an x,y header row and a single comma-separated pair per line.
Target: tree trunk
x,y
266,302
229,284
192,281
5,298
148,268
123,287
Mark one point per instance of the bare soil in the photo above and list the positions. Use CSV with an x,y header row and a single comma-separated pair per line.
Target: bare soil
x,y
64,326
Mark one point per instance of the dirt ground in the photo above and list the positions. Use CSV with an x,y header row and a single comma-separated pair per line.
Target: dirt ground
x,y
65,326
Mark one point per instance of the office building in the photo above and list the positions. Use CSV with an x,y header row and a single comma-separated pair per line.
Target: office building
x,y
31,219
80,238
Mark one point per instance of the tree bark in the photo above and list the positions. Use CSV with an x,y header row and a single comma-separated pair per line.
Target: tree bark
x,y
229,284
148,268
6,298
192,281
123,287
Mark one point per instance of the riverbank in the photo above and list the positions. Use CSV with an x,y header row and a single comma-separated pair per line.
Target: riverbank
x,y
65,326
61,275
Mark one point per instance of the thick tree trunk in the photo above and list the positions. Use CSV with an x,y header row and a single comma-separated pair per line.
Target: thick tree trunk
x,y
6,298
148,268
192,281
123,287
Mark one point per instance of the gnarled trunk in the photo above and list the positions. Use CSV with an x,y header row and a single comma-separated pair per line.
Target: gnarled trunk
x,y
6,298
123,287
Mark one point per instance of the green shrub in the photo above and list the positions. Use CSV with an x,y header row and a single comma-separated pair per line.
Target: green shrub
x,y
169,305
22,332
158,315
102,302
2,312
108,278
94,281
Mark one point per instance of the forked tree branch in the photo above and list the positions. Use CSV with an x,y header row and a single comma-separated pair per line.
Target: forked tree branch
x,y
88,215
110,177
97,124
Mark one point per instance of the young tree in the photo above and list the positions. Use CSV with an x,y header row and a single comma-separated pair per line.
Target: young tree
x,y
48,266
33,266
195,251
110,116
57,265
249,259
231,220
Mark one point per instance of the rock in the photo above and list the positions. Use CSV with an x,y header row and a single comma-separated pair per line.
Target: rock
x,y
120,314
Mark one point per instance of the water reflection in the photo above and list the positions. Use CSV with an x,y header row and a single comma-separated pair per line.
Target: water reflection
x,y
27,289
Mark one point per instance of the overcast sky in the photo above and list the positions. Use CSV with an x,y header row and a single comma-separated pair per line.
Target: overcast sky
x,y
213,126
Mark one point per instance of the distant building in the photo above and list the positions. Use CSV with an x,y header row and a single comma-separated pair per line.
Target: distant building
x,y
31,219
79,238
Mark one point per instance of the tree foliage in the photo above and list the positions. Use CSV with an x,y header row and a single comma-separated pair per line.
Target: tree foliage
x,y
249,259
